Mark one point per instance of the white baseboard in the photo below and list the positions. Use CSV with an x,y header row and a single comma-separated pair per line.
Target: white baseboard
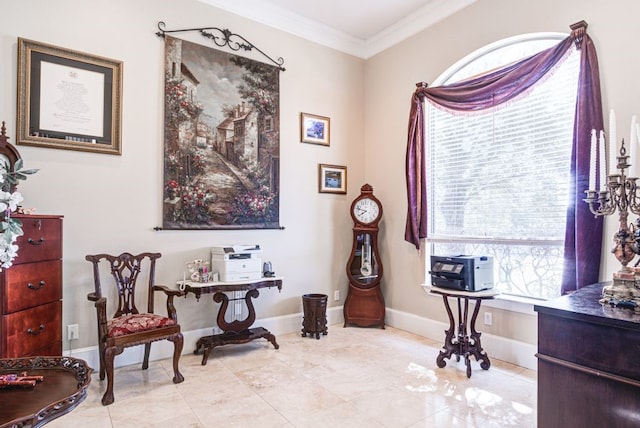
x,y
164,349
508,350
519,353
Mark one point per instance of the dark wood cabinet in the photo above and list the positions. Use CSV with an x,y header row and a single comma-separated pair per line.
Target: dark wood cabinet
x,y
588,369
31,291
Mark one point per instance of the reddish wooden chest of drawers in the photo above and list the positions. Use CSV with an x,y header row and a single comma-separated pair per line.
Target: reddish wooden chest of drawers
x,y
31,291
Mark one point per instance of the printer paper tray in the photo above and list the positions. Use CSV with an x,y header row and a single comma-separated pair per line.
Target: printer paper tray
x,y
455,284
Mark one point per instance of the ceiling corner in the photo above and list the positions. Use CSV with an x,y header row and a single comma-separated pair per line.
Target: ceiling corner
x,y
274,16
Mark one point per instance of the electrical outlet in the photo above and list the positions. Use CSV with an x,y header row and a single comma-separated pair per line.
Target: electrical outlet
x,y
72,332
336,295
488,318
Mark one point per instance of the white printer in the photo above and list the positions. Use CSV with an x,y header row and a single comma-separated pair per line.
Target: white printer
x,y
237,262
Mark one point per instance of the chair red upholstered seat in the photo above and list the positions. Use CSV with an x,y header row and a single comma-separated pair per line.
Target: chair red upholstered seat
x,y
128,327
136,323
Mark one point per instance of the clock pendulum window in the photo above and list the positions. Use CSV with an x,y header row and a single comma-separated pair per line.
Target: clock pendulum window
x,y
364,306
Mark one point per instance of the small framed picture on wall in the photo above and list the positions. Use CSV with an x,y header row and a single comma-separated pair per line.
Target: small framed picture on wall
x,y
315,129
332,179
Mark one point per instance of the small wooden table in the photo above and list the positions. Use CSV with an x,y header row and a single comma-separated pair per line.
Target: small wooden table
x,y
237,331
462,344
64,387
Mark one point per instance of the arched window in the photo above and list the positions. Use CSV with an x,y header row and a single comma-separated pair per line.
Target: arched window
x,y
498,180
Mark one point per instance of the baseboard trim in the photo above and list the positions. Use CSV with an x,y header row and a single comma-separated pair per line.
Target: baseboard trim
x,y
519,353
501,348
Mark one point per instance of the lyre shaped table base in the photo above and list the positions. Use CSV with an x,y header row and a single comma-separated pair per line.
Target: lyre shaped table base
x,y
234,332
237,331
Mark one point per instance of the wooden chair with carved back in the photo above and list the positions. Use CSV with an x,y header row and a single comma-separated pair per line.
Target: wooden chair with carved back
x,y
128,326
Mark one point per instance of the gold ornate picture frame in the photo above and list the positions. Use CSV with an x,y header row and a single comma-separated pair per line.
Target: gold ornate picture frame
x,y
68,99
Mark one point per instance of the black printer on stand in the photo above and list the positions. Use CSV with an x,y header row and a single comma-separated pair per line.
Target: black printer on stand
x,y
462,272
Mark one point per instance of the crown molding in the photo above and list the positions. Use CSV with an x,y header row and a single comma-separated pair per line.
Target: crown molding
x,y
421,19
287,21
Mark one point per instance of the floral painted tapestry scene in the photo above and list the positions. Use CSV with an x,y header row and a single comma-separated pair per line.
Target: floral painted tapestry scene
x,y
221,148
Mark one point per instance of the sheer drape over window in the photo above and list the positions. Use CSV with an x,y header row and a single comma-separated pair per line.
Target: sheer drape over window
x,y
583,236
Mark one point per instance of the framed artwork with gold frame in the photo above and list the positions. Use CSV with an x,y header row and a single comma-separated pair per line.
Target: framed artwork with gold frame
x,y
315,129
332,179
68,99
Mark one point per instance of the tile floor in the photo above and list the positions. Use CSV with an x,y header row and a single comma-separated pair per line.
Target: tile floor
x,y
353,377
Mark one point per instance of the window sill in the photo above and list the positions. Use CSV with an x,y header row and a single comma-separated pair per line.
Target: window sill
x,y
507,302
523,305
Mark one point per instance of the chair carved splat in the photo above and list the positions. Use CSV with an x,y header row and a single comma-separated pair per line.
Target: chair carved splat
x,y
128,327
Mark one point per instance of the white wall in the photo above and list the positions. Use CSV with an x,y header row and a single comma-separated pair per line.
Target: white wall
x,y
112,203
390,82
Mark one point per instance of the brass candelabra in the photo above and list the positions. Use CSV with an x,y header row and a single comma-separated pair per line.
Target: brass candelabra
x,y
620,194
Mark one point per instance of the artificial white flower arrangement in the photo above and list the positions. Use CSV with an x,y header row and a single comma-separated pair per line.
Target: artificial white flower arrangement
x,y
10,228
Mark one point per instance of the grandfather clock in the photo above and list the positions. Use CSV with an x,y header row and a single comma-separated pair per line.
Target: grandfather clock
x,y
364,306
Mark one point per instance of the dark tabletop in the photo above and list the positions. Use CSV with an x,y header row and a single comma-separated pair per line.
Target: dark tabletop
x,y
584,304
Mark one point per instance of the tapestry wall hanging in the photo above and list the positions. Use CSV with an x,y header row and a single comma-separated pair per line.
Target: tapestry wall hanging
x,y
221,140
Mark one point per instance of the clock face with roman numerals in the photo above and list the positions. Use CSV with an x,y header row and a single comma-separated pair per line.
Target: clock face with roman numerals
x,y
366,210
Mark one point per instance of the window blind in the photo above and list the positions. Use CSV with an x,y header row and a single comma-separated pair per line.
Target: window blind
x,y
498,181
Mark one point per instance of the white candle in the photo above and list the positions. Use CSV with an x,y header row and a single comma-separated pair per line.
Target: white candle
x,y
638,144
633,142
592,161
603,166
612,141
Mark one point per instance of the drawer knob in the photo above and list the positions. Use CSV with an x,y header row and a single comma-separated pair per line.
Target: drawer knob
x,y
36,332
38,242
35,287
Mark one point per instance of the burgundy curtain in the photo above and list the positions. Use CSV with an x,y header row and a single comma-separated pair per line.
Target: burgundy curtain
x,y
583,232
